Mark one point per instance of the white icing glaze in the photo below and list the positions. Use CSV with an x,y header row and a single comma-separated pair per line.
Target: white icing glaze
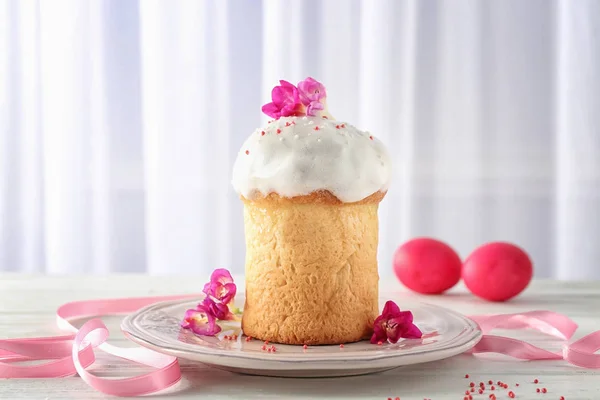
x,y
300,160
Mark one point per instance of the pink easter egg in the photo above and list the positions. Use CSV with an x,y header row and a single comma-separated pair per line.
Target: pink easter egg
x,y
427,265
497,271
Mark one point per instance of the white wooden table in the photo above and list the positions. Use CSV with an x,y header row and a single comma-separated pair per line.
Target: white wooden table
x,y
27,305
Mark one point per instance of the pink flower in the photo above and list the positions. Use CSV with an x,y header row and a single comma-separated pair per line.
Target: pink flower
x,y
285,101
219,310
220,292
200,321
394,324
311,90
312,95
221,288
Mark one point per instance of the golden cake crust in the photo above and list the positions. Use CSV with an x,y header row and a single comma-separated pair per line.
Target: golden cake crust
x,y
311,269
317,197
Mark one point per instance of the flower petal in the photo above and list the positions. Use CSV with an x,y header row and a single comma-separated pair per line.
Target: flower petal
x,y
311,90
286,84
271,110
293,109
412,332
313,108
220,311
394,335
206,289
377,338
228,293
279,96
221,275
200,321
402,318
390,309
379,330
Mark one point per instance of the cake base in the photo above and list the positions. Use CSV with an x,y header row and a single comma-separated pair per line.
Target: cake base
x,y
311,271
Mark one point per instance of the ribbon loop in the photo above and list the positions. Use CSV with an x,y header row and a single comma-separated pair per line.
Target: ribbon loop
x,y
75,352
580,353
95,332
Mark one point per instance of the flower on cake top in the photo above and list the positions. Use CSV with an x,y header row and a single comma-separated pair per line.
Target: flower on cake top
x,y
394,324
216,306
307,98
285,101
311,94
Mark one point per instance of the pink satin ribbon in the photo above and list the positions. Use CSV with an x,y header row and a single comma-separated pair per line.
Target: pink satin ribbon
x,y
73,354
580,353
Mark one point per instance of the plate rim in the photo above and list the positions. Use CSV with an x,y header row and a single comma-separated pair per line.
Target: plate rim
x,y
464,341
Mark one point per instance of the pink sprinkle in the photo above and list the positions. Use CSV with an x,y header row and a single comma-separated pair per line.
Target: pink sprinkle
x,y
337,127
341,345
305,347
544,390
379,343
316,128
278,131
264,347
247,152
371,137
262,133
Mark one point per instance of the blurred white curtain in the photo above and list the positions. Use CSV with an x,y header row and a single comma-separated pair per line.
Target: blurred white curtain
x,y
119,122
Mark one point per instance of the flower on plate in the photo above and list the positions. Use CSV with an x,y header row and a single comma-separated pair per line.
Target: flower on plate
x,y
200,321
285,101
216,306
312,95
221,288
219,310
394,324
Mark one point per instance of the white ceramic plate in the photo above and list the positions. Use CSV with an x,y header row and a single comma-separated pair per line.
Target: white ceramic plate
x,y
446,334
